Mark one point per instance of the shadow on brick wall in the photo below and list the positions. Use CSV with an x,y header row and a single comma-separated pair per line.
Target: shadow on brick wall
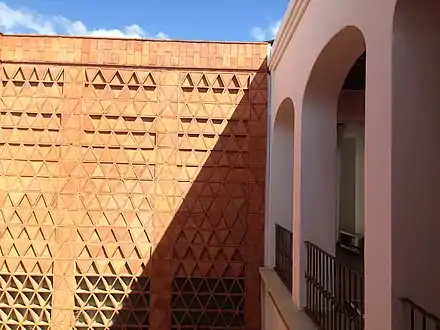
x,y
203,271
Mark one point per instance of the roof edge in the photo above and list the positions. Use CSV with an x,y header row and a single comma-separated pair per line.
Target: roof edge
x,y
292,17
132,39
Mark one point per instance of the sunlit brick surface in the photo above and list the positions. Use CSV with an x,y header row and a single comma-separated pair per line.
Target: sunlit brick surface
x,y
131,175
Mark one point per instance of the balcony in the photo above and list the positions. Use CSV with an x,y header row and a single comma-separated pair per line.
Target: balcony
x,y
279,311
335,291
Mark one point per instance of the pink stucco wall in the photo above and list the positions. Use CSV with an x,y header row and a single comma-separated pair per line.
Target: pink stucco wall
x,y
416,165
402,120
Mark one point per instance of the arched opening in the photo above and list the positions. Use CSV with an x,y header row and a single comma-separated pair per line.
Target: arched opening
x,y
281,190
332,189
415,161
282,165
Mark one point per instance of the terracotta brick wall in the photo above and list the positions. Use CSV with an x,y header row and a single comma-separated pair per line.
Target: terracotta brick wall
x,y
131,183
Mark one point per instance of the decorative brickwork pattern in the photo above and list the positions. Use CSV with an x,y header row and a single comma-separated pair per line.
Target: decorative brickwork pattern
x,y
25,301
118,301
208,303
124,190
29,155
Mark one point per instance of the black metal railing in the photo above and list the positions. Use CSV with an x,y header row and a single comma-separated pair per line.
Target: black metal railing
x,y
283,255
419,318
334,292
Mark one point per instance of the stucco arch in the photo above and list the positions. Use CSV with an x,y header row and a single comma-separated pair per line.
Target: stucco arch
x,y
309,41
319,121
318,149
281,173
333,64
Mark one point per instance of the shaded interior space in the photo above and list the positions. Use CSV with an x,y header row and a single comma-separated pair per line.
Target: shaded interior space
x,y
332,184
350,148
355,79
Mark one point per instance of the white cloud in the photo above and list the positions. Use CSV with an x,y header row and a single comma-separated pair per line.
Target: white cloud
x,y
162,35
24,20
265,33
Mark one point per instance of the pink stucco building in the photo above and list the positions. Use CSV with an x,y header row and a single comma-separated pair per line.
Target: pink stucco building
x,y
353,168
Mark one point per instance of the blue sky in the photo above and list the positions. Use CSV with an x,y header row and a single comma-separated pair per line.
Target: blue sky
x,y
240,20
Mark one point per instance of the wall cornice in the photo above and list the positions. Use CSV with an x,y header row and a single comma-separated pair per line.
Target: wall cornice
x,y
176,54
293,16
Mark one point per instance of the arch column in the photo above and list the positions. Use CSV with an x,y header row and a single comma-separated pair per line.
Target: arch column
x,y
402,166
318,152
415,157
377,178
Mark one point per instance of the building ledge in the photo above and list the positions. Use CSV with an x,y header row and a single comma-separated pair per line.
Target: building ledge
x,y
293,318
146,39
292,17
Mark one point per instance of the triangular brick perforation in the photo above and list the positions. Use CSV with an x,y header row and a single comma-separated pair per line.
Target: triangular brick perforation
x,y
218,82
134,80
120,84
209,302
188,83
203,82
149,81
26,81
34,76
234,83
102,299
99,78
25,298
47,77
19,75
117,79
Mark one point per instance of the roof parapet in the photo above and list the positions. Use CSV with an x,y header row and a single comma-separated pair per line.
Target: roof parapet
x,y
292,17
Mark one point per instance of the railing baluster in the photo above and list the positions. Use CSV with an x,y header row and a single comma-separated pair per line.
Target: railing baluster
x,y
334,292
420,318
283,255
412,324
327,298
313,257
319,277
